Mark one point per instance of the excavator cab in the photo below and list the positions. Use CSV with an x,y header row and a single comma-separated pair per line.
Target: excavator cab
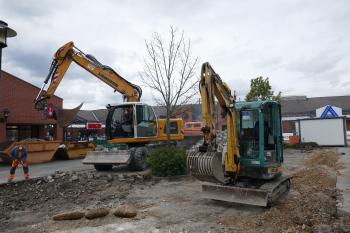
x,y
260,139
131,120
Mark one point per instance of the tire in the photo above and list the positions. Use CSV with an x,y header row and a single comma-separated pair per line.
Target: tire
x,y
131,163
139,159
103,167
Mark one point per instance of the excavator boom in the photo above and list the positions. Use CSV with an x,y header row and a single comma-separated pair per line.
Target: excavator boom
x,y
63,58
208,163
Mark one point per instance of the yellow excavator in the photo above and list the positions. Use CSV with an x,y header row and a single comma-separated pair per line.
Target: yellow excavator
x,y
132,124
246,166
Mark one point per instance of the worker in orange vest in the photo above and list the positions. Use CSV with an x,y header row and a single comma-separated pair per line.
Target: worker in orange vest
x,y
19,157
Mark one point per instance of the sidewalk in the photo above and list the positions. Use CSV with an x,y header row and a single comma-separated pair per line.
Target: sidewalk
x,y
44,169
343,180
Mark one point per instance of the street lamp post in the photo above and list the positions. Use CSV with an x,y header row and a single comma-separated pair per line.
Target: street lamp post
x,y
5,32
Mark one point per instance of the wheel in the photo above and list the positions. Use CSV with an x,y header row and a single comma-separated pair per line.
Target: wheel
x,y
139,159
103,167
131,164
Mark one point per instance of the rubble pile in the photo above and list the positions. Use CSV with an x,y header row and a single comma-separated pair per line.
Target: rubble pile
x,y
221,141
65,191
327,158
311,204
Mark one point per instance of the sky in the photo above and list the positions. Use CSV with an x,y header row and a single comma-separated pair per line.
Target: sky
x,y
301,45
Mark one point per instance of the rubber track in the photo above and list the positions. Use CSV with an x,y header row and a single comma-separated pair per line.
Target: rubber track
x,y
276,189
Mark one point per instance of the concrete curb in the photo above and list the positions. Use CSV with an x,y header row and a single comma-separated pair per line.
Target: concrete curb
x,y
343,182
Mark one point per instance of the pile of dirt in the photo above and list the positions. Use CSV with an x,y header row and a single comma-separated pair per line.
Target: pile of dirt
x,y
310,204
312,200
328,158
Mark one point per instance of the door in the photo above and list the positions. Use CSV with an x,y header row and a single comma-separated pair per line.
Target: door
x,y
120,122
272,133
146,122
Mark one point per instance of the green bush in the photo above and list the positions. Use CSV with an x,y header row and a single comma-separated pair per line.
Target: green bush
x,y
167,161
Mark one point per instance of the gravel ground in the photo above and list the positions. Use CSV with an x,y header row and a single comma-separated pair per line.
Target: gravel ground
x,y
173,205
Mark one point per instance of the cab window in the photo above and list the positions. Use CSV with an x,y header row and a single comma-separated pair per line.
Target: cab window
x,y
146,121
122,122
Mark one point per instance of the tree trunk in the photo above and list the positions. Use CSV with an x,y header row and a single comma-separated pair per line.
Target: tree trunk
x,y
168,124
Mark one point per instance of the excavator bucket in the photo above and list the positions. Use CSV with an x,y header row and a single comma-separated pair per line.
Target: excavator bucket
x,y
206,166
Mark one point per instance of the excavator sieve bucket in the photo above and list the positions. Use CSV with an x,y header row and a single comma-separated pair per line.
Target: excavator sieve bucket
x,y
206,166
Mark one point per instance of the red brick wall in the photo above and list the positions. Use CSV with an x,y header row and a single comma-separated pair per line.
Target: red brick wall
x,y
17,96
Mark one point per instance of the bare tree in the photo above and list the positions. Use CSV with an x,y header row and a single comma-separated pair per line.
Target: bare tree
x,y
169,70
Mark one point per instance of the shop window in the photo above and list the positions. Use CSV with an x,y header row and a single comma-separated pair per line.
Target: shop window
x,y
18,132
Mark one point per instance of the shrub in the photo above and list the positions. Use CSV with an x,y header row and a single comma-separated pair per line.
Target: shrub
x,y
167,161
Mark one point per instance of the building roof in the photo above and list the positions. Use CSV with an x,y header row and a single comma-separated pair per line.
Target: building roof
x,y
98,115
291,106
302,104
161,110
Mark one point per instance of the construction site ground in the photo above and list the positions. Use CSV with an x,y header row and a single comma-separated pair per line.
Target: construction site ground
x,y
176,205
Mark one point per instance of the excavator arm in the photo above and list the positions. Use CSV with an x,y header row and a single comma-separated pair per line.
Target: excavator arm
x,y
60,64
208,164
212,86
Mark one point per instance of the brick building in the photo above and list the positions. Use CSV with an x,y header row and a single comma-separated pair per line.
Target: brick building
x,y
18,118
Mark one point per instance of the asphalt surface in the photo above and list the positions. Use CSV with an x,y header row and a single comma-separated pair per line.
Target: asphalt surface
x,y
44,169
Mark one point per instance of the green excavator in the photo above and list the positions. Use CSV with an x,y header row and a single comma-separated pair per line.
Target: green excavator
x,y
246,165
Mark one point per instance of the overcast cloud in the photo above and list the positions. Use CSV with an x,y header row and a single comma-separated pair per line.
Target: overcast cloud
x,y
302,46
